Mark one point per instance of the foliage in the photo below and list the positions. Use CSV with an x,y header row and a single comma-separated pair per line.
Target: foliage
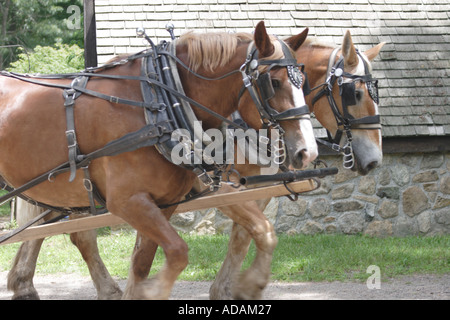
x,y
37,22
59,59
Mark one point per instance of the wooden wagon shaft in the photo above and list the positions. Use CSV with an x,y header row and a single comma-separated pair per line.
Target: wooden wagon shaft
x,y
107,219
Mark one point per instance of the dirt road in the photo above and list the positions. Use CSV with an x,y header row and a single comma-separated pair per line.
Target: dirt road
x,y
428,287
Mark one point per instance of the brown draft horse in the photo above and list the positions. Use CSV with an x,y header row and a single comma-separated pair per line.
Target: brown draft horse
x,y
135,183
366,149
366,141
315,55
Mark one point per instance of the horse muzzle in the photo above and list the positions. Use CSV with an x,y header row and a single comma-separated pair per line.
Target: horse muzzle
x,y
367,155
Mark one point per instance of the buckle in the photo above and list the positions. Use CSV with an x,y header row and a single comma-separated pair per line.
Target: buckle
x,y
247,81
70,92
71,138
203,176
113,99
69,97
336,147
88,185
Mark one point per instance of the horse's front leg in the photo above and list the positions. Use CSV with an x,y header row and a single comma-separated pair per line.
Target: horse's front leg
x,y
144,215
141,262
237,250
250,283
86,242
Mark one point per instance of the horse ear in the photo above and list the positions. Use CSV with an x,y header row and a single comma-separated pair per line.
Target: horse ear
x,y
349,51
262,40
295,42
373,52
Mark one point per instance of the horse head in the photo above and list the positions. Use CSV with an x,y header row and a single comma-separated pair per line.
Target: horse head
x,y
350,114
279,81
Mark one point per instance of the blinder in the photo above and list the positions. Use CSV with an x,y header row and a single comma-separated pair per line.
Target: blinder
x,y
295,76
265,87
347,91
265,83
266,90
372,87
306,87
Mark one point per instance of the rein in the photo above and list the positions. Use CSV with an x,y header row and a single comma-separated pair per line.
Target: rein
x,y
112,99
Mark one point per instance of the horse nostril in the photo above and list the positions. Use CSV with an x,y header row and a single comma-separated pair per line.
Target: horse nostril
x,y
300,158
372,165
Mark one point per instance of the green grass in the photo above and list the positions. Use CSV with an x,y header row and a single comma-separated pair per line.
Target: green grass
x,y
297,258
339,257
5,210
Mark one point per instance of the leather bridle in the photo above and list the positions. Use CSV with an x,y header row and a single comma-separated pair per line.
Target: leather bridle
x,y
345,121
263,91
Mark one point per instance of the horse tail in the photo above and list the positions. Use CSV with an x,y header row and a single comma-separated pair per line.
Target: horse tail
x,y
26,211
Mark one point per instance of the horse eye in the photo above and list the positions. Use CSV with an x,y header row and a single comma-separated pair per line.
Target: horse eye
x,y
358,95
276,83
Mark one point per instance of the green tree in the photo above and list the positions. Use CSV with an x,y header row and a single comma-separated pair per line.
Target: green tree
x,y
30,23
59,59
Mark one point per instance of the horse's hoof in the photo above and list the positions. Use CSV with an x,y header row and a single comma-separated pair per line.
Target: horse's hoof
x,y
220,291
248,287
27,296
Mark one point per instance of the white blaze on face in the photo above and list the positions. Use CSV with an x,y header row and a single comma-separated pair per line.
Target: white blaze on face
x,y
364,149
308,134
305,124
360,70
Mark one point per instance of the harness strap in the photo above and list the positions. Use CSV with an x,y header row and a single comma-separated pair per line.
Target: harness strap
x,y
69,96
333,146
89,186
301,112
114,99
146,136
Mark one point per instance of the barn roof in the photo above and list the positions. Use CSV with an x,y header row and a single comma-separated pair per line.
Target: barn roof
x,y
413,68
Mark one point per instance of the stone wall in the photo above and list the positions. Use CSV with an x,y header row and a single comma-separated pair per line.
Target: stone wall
x,y
408,195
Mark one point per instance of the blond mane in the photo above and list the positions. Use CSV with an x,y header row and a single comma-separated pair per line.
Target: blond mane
x,y
215,49
314,42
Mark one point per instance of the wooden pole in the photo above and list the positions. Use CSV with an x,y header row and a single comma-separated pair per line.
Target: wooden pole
x,y
213,201
90,34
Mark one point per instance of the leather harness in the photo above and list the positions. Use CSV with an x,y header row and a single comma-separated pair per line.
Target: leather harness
x,y
166,109
335,74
